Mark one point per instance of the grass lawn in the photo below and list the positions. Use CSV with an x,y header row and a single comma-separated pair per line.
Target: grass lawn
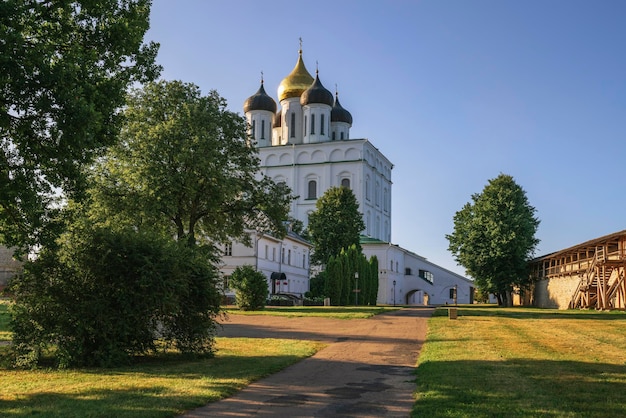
x,y
521,362
163,386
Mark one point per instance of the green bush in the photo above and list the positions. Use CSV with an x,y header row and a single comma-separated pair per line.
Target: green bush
x,y
250,287
104,296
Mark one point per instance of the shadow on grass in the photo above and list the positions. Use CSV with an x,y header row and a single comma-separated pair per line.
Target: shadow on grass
x,y
520,388
530,313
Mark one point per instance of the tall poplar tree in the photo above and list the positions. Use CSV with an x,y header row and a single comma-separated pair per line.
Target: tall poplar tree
x,y
494,237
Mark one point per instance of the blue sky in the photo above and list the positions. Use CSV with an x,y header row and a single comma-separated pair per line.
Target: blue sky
x,y
452,92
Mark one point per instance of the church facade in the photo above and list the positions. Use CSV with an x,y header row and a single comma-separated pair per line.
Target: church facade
x,y
304,141
306,144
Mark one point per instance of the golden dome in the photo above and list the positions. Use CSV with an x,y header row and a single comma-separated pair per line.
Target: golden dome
x,y
296,82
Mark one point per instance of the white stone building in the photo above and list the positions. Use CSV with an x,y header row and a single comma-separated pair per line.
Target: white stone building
x,y
285,262
306,144
406,278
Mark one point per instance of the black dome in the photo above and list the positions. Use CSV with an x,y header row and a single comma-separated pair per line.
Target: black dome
x,y
317,93
339,114
259,101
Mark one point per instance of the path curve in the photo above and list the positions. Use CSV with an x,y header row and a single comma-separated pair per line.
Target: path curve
x,y
365,371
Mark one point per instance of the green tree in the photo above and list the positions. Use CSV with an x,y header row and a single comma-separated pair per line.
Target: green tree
x,y
105,296
372,296
250,287
184,166
317,285
333,285
494,237
66,67
335,225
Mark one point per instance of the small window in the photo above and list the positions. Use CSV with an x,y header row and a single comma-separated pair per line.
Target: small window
x,y
266,252
342,135
292,125
228,249
289,257
407,271
303,260
312,124
305,123
253,128
262,129
226,283
322,124
452,293
345,183
312,190
333,136
283,256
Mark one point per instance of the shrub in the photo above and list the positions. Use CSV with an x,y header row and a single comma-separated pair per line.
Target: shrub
x,y
250,288
104,296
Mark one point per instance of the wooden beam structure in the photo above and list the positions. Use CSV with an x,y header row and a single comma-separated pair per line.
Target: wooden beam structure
x,y
600,266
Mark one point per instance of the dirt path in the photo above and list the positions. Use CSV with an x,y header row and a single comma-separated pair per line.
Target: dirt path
x,y
366,370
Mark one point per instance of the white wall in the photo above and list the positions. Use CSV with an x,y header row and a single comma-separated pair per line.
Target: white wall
x,y
266,256
411,289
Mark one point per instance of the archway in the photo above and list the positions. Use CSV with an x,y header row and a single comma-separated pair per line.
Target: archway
x,y
417,297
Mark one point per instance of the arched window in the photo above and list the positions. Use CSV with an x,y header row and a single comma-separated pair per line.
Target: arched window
x,y
322,124
253,128
292,125
312,124
312,190
263,129
345,183
367,187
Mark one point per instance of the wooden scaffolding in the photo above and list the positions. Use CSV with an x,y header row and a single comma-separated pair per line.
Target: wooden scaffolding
x,y
599,265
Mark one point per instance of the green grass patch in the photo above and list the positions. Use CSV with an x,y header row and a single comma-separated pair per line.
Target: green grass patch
x,y
158,386
337,312
521,362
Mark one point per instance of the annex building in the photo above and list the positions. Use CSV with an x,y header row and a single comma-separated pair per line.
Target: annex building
x,y
304,141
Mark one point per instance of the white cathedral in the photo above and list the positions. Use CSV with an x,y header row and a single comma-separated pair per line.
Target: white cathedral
x,y
306,144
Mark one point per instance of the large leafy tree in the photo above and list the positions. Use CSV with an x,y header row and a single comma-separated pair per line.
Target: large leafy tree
x,y
66,66
336,224
494,237
184,166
